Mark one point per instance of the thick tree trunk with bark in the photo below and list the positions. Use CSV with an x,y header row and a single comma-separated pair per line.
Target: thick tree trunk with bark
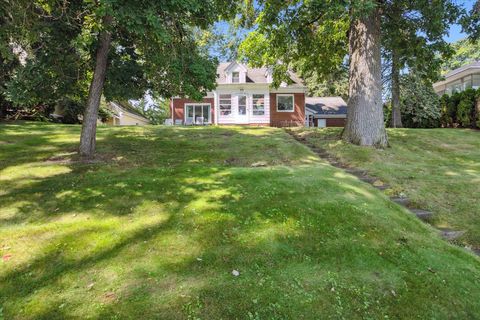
x,y
396,114
365,124
89,126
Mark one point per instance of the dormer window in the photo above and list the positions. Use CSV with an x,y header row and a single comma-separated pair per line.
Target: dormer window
x,y
235,73
235,77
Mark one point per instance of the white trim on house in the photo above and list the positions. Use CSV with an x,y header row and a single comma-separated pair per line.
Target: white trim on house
x,y
285,95
292,89
231,66
457,75
233,118
188,104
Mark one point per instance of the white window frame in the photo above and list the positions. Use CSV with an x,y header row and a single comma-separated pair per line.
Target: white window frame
x,y
233,77
253,104
220,105
285,95
197,104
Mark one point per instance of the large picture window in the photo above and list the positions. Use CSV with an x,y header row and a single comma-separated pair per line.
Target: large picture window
x,y
285,103
225,104
197,113
258,105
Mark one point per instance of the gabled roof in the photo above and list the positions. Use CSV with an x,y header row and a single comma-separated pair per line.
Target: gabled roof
x,y
234,64
326,105
254,75
126,107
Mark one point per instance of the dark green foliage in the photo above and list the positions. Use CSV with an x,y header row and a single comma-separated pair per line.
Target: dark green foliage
x,y
466,108
387,113
71,110
461,109
471,22
335,84
419,104
152,49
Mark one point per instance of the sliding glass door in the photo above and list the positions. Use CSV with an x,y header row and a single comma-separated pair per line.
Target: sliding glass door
x,y
198,113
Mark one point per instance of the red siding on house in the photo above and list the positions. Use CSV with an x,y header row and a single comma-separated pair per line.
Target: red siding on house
x,y
332,122
336,122
178,105
287,119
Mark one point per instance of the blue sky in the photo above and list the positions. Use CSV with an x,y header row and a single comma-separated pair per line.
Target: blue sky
x,y
455,33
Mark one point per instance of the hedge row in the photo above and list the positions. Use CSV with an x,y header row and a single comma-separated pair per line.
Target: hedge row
x,y
461,109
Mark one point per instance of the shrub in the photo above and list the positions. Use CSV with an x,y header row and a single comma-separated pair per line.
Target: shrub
x,y
71,110
466,108
461,109
477,109
419,104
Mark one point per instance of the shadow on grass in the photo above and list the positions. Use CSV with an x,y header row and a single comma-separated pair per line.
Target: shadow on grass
x,y
293,232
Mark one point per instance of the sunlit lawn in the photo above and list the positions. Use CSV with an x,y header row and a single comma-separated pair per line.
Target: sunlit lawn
x,y
155,228
437,169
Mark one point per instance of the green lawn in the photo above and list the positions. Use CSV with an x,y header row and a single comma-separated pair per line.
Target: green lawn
x,y
156,227
437,169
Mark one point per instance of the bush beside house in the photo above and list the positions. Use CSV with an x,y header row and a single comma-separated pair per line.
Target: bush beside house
x,y
421,107
461,109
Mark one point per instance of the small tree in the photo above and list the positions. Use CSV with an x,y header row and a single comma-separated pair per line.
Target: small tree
x,y
466,108
419,104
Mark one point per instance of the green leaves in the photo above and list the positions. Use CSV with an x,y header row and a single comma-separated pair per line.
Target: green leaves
x,y
420,105
308,36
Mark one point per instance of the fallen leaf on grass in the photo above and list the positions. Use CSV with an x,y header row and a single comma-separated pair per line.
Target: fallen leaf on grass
x,y
109,297
7,257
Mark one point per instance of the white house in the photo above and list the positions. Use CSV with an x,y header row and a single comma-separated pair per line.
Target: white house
x,y
459,79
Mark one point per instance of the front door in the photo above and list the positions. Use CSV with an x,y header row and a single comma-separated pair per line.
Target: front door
x,y
242,108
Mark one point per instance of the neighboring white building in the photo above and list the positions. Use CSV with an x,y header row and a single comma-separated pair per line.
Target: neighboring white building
x,y
460,79
125,115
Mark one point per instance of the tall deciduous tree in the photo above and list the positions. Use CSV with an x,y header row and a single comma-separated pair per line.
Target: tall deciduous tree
x,y
161,33
322,34
130,48
365,124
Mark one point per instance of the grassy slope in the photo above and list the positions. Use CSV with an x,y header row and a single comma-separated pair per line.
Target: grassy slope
x,y
438,169
157,231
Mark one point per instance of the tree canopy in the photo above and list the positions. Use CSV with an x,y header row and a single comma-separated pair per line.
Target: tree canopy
x,y
465,51
117,48
319,36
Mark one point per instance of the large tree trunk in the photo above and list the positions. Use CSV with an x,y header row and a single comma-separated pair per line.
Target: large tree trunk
x,y
365,124
89,126
396,114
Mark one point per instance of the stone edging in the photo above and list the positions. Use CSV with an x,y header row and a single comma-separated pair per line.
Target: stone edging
x,y
424,215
